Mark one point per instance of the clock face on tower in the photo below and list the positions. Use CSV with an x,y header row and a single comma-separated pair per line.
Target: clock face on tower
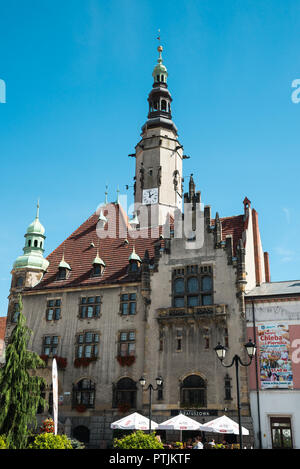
x,y
150,196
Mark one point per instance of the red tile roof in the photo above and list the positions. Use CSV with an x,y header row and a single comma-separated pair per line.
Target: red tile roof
x,y
2,327
234,226
79,253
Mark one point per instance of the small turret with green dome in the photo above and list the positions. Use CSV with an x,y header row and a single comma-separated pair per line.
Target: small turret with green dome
x,y
34,247
160,72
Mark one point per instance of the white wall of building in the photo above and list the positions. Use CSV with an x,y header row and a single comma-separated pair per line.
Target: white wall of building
x,y
275,404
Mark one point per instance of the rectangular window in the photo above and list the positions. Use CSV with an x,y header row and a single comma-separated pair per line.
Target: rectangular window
x,y
50,345
127,343
128,304
90,307
227,382
87,345
53,311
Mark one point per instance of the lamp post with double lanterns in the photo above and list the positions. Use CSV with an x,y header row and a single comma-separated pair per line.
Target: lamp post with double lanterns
x,y
221,353
150,388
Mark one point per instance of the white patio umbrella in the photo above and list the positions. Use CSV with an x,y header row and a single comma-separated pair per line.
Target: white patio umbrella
x,y
134,421
182,422
225,425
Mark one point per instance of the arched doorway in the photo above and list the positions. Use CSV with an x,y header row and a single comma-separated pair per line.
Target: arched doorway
x,y
82,433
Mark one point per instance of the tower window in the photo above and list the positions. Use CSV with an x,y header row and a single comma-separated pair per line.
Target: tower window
x,y
35,244
157,77
162,78
19,282
29,242
164,105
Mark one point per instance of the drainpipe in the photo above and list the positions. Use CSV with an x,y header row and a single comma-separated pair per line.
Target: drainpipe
x,y
256,377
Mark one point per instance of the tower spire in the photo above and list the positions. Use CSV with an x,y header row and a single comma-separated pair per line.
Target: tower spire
x,y
38,209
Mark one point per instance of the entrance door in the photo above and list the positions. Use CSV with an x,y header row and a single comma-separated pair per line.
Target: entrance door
x,y
281,431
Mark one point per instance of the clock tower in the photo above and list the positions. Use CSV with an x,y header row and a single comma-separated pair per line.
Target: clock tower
x,y
159,155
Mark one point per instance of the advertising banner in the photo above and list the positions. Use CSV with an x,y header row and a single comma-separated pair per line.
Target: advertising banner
x,y
275,356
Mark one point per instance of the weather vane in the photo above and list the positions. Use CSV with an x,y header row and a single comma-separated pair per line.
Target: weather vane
x,y
158,37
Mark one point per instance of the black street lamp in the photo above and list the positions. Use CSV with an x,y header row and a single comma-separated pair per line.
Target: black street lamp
x,y
159,382
221,353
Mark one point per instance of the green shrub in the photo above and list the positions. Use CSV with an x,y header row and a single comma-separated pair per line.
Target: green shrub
x,y
138,440
3,444
51,441
76,444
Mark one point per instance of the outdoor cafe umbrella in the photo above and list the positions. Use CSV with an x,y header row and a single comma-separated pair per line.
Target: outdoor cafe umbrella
x,y
183,422
134,421
225,425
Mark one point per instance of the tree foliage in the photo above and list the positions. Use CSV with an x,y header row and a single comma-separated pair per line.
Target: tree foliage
x,y
138,440
3,442
20,391
51,441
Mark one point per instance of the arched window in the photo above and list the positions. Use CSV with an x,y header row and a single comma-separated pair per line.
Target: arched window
x,y
84,393
162,78
81,433
163,105
29,242
157,77
41,244
193,392
125,393
36,243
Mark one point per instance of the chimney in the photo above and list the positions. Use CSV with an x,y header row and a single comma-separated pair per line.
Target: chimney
x,y
267,267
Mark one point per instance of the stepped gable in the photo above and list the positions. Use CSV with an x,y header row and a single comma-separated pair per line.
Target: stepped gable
x,y
234,226
79,253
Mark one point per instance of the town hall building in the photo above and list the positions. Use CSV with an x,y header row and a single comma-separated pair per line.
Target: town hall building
x,y
150,296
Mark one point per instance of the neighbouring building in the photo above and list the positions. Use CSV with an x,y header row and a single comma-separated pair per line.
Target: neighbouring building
x,y
120,299
273,317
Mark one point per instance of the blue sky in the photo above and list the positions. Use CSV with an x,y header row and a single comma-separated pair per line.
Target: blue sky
x,y
77,77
